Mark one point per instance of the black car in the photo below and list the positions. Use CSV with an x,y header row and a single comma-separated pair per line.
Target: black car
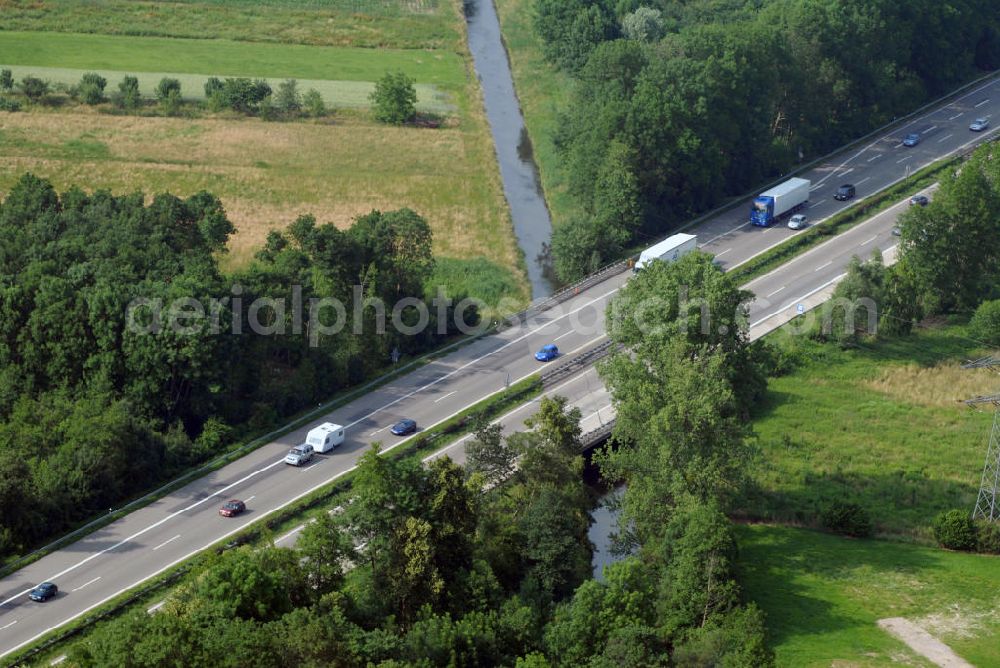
x,y
404,427
43,592
919,200
845,192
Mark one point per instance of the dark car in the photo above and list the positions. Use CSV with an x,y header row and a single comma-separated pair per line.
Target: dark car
x,y
845,192
232,508
547,353
919,200
43,592
404,427
911,139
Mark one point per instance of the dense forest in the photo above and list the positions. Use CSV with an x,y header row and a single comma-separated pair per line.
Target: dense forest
x,y
490,565
96,406
678,105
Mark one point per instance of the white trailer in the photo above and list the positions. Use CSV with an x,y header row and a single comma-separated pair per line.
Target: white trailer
x,y
668,250
786,197
325,437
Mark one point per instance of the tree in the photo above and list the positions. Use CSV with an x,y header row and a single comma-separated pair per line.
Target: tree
x,y
556,546
253,584
313,103
34,88
394,99
128,96
327,551
571,30
488,455
288,100
91,88
645,24
6,79
856,300
948,246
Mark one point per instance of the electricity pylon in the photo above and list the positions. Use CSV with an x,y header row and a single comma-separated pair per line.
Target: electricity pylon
x,y
986,503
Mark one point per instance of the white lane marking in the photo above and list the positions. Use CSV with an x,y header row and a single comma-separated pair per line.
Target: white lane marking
x,y
291,533
816,187
945,138
86,584
858,183
981,103
951,118
165,542
865,243
379,430
767,229
904,159
914,121
817,203
776,291
451,393
720,254
823,266
799,299
848,172
719,236
139,533
251,498
156,607
875,157
933,127
9,625
899,145
561,336
479,359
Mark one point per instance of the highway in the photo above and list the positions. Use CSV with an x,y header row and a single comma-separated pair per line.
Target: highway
x,y
155,538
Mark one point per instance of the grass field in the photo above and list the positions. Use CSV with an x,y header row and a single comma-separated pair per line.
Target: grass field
x,y
542,91
268,173
882,425
404,24
336,94
824,594
227,58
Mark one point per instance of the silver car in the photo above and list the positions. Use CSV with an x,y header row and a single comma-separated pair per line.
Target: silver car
x,y
797,222
299,455
979,125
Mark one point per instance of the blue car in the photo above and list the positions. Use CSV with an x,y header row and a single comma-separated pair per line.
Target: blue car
x,y
911,139
547,353
43,592
404,427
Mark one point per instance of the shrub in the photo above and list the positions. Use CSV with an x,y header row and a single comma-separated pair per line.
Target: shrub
x,y
213,87
394,99
6,80
267,109
128,96
171,104
987,536
313,103
91,88
34,88
287,99
954,530
166,87
9,104
848,519
985,323
242,94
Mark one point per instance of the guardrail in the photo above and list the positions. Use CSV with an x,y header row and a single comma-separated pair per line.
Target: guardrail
x,y
597,436
575,364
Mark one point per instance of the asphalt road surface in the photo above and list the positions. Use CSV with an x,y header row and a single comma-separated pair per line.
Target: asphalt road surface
x,y
155,538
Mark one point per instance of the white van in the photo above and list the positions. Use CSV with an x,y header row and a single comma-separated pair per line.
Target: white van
x,y
325,437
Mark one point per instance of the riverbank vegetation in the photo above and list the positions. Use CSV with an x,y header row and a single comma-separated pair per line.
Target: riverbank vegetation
x,y
677,106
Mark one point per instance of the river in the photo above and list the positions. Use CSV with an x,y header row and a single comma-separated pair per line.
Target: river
x,y
518,171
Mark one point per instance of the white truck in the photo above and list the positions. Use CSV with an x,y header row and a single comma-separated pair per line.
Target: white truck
x,y
668,250
325,437
782,199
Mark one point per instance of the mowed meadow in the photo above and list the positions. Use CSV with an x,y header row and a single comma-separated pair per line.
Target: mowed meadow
x,y
268,173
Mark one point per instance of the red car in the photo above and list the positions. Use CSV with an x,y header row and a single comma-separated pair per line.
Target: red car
x,y
232,508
